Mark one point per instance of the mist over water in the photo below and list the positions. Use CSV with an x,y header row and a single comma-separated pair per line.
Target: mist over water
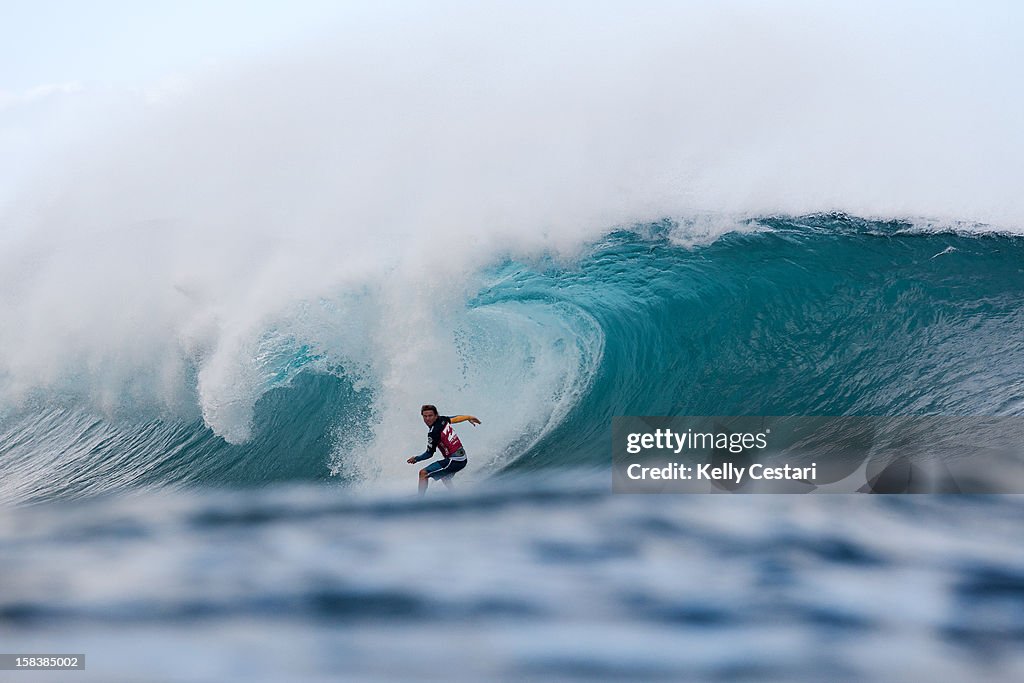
x,y
333,207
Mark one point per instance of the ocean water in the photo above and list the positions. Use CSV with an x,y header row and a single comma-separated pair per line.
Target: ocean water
x,y
165,547
523,578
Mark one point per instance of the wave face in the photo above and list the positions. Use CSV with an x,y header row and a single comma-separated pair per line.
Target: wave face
x,y
826,315
820,315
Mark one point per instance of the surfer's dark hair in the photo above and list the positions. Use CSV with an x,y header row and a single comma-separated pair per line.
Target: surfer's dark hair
x,y
426,406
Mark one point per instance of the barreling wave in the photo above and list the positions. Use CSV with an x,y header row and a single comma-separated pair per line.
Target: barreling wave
x,y
824,314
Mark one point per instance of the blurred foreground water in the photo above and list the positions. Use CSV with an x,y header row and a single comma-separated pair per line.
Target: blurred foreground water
x,y
537,577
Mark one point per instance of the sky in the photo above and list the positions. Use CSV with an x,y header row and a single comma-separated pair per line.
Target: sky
x,y
105,42
61,61
68,69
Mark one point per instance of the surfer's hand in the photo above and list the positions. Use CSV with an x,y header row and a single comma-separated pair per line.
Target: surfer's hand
x,y
473,421
412,460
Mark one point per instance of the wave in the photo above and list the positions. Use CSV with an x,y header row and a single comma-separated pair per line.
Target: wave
x,y
465,208
823,314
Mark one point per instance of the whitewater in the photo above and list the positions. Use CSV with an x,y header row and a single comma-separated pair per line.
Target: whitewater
x,y
221,308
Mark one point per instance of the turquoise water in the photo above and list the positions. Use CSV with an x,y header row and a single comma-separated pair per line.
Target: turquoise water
x,y
820,315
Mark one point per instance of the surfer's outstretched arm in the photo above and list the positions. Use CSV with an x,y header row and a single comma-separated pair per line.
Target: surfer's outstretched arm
x,y
426,455
465,418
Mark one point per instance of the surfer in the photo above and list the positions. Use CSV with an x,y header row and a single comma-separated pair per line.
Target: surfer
x,y
441,435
